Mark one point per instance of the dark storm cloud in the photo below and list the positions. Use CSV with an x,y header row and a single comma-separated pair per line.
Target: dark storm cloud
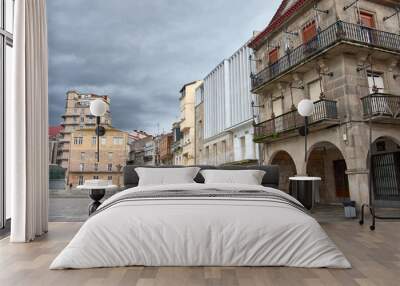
x,y
142,52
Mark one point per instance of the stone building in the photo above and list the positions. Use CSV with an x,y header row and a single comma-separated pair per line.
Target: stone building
x,y
336,53
77,116
227,120
186,124
137,149
83,163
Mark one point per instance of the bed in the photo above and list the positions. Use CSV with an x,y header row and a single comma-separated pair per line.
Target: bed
x,y
197,224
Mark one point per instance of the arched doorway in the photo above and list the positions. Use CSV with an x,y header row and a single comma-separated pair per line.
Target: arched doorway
x,y
386,170
325,160
287,169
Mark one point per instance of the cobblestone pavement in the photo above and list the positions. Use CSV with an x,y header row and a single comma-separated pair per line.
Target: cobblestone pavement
x,y
67,206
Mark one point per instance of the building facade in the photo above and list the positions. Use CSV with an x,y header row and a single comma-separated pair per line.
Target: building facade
x,y
54,142
187,123
344,56
83,156
137,150
77,116
199,125
227,107
165,149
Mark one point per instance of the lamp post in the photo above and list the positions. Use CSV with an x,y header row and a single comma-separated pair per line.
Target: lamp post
x,y
98,109
305,108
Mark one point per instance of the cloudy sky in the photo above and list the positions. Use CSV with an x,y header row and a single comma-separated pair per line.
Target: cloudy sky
x,y
141,52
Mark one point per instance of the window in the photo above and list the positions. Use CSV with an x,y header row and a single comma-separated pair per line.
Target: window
x,y
82,167
277,107
103,140
109,178
6,62
94,140
82,119
96,167
110,156
80,180
78,140
118,140
83,156
109,167
95,177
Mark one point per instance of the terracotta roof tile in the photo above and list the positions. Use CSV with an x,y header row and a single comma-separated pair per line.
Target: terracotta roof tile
x,y
278,19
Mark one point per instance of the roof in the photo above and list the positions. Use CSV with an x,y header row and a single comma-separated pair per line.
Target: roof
x,y
283,13
55,130
190,83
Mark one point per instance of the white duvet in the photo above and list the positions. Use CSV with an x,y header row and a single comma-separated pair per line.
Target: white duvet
x,y
200,232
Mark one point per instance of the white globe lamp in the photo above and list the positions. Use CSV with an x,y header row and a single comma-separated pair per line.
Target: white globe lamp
x,y
98,107
305,107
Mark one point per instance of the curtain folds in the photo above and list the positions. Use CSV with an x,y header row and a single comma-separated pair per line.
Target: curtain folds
x,y
27,123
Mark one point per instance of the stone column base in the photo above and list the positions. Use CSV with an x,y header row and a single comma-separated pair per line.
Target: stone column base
x,y
358,185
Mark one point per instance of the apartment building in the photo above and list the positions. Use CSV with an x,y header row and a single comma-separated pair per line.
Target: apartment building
x,y
83,156
226,101
137,149
77,116
186,124
343,55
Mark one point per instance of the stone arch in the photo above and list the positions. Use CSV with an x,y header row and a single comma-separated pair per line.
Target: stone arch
x,y
287,168
326,160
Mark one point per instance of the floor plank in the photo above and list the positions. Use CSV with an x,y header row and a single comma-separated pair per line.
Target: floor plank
x,y
375,257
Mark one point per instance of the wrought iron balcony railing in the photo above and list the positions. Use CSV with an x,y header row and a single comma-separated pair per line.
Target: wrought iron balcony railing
x,y
336,33
324,110
380,105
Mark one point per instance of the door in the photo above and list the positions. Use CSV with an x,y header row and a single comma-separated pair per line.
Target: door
x,y
386,176
278,110
310,38
273,58
376,87
341,180
368,25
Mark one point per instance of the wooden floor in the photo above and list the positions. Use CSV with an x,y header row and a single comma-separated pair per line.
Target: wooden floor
x,y
375,257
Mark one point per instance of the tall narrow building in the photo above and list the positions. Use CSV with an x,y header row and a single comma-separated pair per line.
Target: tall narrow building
x,y
77,116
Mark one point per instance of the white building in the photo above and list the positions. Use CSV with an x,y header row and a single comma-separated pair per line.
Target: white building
x,y
228,130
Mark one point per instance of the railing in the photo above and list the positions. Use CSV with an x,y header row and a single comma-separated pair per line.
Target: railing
x,y
323,110
379,104
338,32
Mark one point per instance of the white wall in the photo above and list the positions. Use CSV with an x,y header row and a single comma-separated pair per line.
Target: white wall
x,y
250,152
215,89
227,102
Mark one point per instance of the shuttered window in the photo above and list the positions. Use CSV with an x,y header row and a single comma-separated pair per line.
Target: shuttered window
x,y
309,32
367,20
273,56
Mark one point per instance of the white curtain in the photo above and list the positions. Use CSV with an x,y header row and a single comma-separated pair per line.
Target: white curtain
x,y
27,123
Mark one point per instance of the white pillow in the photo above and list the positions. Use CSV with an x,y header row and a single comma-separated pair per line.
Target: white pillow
x,y
166,176
247,177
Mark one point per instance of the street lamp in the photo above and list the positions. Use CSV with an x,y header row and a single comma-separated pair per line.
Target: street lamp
x,y
305,108
98,108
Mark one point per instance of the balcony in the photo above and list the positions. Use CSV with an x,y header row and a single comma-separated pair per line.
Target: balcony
x,y
338,33
286,125
381,108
